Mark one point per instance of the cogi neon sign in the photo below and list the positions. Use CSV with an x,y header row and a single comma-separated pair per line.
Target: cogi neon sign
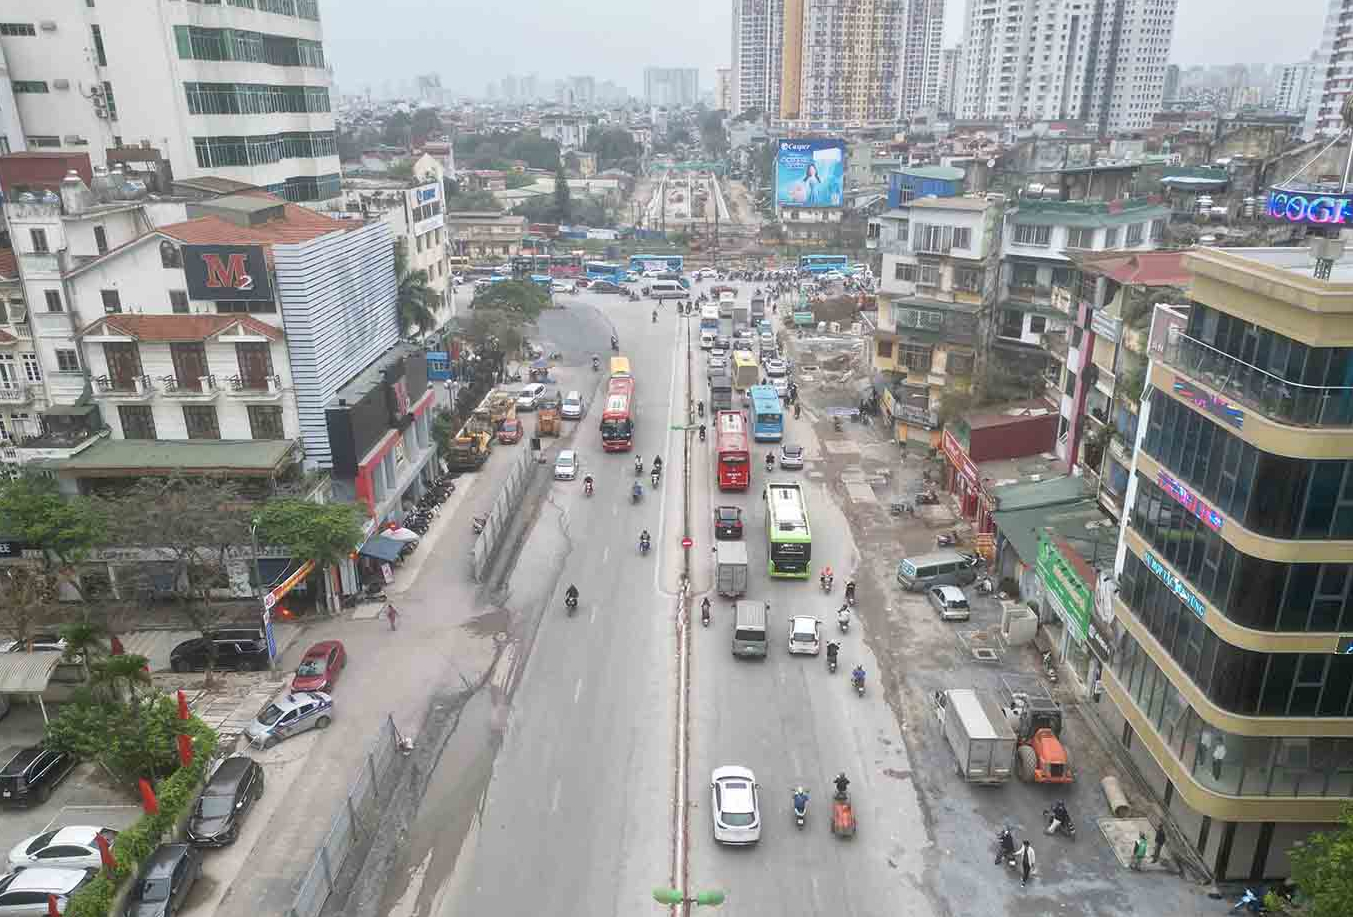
x,y
1310,207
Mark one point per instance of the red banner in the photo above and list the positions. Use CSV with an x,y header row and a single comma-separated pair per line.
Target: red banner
x,y
959,458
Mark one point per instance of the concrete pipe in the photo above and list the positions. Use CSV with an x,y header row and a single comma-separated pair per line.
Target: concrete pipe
x,y
1113,793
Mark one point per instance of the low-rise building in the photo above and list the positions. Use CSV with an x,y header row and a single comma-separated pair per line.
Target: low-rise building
x,y
484,234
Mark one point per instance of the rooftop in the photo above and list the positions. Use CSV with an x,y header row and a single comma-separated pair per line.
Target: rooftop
x,y
1032,494
166,328
940,173
1081,525
359,385
1145,269
1030,212
298,224
1000,415
131,457
965,202
212,184
1297,263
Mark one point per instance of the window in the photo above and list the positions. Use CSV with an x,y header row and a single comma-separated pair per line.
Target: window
x,y
1157,230
903,230
255,99
1134,234
39,238
101,240
53,300
906,194
1023,277
1033,235
930,275
264,149
968,279
170,257
1037,324
915,357
67,361
904,272
885,349
32,369
195,43
112,302
98,45
17,30
138,421
43,140
962,237
243,307
936,239
1111,237
265,421
870,232
201,422
178,302
961,364
30,86
1080,238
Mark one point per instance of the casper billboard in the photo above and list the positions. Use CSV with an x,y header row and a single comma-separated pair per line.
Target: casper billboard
x,y
810,173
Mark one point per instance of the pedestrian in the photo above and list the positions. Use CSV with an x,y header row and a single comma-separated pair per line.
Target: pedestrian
x,y
391,613
1139,852
1160,843
1026,858
1218,756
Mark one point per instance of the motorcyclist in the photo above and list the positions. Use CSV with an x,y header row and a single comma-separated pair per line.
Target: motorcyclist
x,y
1060,813
638,464
800,799
615,342
702,433
657,463
841,784
770,461
655,316
656,476
700,408
645,539
798,410
704,611
596,362
571,594
843,616
850,592
857,676
832,649
825,578
587,484
637,491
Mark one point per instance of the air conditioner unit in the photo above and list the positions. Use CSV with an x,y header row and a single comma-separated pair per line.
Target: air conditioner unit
x,y
60,84
74,140
47,25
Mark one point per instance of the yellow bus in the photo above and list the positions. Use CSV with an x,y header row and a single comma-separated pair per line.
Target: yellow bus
x,y
620,366
746,371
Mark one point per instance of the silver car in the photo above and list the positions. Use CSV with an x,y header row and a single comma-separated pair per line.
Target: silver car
x,y
566,466
289,715
950,602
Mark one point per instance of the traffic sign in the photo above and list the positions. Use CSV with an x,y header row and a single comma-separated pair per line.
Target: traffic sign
x,y
687,542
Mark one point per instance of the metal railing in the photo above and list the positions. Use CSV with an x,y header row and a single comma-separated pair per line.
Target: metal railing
x,y
353,824
1275,398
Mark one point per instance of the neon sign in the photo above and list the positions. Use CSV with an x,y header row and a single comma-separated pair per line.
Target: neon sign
x,y
1176,585
1310,207
1218,407
1185,498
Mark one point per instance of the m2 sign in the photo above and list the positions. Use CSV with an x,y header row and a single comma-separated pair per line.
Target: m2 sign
x,y
227,272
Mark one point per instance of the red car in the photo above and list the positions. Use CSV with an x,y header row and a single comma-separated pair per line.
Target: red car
x,y
320,667
509,431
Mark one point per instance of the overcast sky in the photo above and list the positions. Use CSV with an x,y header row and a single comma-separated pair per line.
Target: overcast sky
x,y
470,42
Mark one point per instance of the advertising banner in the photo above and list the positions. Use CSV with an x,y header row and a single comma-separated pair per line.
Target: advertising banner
x,y
227,272
1068,595
425,208
810,173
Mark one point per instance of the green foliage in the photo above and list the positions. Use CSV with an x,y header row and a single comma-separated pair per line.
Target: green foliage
x,y
417,301
712,135
119,679
425,124
322,532
519,180
562,196
521,297
1132,385
128,741
397,130
485,325
750,114
472,200
400,169
1322,869
497,151
611,146
32,511
444,429
585,210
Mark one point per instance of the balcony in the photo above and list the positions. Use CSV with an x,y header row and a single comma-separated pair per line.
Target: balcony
x,y
202,388
1277,399
15,393
266,388
53,322
137,388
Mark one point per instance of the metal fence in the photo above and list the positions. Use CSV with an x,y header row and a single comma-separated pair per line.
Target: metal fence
x,y
354,823
500,517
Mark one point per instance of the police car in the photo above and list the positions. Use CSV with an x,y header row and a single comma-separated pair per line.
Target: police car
x,y
290,715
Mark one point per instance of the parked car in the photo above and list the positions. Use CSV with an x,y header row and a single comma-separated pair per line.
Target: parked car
x,y
39,643
31,774
804,631
736,809
791,456
950,602
573,406
246,651
72,847
605,286
566,465
167,875
727,522
563,286
529,397
227,798
289,715
583,283
25,893
510,431
320,666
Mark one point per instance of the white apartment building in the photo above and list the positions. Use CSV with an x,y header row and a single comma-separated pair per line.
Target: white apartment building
x,y
1332,79
237,90
951,79
849,59
922,57
671,86
1292,89
1097,60
569,131
723,89
756,56
11,132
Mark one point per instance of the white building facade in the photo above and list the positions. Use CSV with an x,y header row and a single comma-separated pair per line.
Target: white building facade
x,y
756,56
922,57
671,86
1332,80
238,90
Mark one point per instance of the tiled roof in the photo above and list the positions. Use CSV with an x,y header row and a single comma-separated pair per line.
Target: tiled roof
x,y
9,265
7,338
1147,269
164,328
298,225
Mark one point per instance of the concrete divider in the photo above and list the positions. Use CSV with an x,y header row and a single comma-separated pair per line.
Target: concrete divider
x,y
500,516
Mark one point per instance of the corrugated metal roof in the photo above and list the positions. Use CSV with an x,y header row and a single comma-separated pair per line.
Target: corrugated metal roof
x,y
1033,494
27,673
121,456
1021,527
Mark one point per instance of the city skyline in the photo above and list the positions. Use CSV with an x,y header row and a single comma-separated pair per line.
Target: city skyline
x,y
1206,32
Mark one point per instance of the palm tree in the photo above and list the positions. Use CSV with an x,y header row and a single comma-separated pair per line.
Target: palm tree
x,y
417,301
84,643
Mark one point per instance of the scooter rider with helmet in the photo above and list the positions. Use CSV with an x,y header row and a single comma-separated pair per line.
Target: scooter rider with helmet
x,y
841,784
704,611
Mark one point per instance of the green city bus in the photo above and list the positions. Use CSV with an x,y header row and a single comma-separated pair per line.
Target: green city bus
x,y
790,541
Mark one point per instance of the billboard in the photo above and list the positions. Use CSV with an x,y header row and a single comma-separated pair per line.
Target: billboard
x,y
224,272
810,173
425,208
1311,208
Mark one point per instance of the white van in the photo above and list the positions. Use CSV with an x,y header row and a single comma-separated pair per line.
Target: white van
x,y
668,289
707,339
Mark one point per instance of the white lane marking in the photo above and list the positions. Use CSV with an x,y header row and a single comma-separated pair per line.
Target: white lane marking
x,y
592,618
577,690
605,555
554,797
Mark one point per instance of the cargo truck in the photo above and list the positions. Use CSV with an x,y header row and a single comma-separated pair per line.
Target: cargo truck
x,y
730,568
979,736
742,316
758,310
720,392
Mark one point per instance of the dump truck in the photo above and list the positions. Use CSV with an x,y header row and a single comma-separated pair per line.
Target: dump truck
x,y
730,568
1036,719
548,421
979,736
758,309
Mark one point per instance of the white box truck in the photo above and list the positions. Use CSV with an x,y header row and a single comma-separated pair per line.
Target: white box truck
x,y
982,741
730,568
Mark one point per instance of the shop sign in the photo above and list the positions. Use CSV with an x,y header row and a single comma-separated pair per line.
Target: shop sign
x,y
1099,643
1217,407
1068,595
959,458
1185,498
1106,327
1176,585
11,548
291,582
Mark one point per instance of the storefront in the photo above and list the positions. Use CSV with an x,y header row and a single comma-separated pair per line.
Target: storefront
x,y
963,479
1066,582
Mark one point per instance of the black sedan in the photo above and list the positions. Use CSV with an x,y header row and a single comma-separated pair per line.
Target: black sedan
x,y
29,775
229,795
605,286
167,875
727,522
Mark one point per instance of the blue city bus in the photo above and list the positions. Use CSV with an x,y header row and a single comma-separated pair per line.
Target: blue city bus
x,y
541,280
820,264
641,263
768,420
604,270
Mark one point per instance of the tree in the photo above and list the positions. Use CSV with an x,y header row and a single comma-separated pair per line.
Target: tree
x,y
712,134
418,303
520,297
1322,868
128,740
28,601
191,525
494,330
461,197
425,123
397,130
563,206
322,532
84,644
64,528
612,145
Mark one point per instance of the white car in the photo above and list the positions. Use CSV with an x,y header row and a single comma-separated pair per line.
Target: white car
x,y
289,715
737,811
804,635
834,276
717,361
73,847
573,406
24,893
950,602
707,273
563,286
781,386
776,367
529,398
566,466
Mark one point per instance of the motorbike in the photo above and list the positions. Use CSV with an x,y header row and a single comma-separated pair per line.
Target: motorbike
x,y
704,613
850,595
596,364
479,523
655,316
800,805
770,463
1059,821
615,344
1251,903
644,545
571,603
946,539
587,488
1005,847
655,477
927,498
702,433
1050,667
826,583
638,468
843,619
857,680
700,409
831,663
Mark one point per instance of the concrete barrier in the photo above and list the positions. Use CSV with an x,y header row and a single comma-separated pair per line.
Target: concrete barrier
x,y
501,515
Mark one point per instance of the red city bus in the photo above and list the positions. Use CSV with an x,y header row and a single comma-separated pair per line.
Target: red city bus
x,y
730,445
617,416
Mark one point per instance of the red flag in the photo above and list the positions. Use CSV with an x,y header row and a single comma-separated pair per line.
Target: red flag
x,y
148,800
117,649
183,705
105,852
185,750
52,909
